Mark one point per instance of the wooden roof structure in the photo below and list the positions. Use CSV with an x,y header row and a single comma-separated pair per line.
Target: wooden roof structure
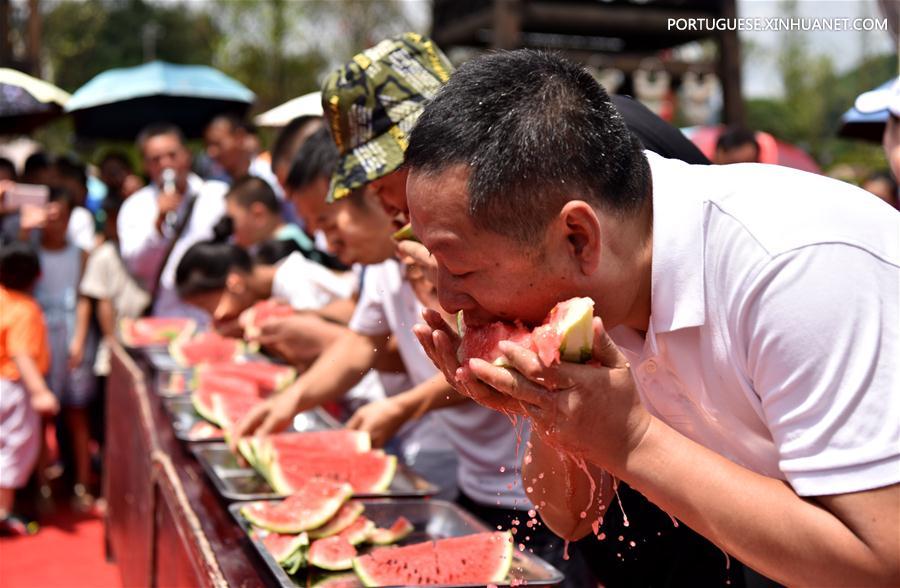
x,y
618,34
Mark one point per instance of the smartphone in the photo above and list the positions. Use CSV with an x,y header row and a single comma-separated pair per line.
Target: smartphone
x,y
19,194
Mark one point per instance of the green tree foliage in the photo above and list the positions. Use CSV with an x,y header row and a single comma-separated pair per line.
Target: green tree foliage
x,y
85,37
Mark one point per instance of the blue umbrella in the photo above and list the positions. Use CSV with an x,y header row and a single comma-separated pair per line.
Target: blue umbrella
x,y
868,126
118,103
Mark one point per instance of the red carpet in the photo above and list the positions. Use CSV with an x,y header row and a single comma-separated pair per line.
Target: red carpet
x,y
68,551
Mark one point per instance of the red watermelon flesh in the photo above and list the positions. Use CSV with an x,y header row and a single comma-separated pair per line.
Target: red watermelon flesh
x,y
337,581
359,531
332,553
202,398
267,375
149,331
228,410
260,313
345,517
566,334
310,507
482,559
367,473
283,545
205,348
290,444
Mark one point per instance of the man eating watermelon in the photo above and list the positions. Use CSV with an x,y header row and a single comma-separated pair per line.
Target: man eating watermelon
x,y
744,377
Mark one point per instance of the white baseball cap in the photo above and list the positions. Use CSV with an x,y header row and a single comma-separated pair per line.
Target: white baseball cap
x,y
886,97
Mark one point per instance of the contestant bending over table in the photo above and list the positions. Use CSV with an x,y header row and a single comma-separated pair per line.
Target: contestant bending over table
x,y
747,384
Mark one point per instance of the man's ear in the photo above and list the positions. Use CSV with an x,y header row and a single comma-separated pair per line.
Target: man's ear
x,y
580,228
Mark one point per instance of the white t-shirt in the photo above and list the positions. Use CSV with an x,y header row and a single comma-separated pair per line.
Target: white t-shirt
x,y
484,440
143,247
774,334
306,285
81,230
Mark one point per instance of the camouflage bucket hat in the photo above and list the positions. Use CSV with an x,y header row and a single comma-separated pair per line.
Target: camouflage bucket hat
x,y
372,103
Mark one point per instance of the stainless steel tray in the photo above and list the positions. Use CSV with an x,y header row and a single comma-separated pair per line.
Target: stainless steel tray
x,y
236,482
171,383
432,519
184,418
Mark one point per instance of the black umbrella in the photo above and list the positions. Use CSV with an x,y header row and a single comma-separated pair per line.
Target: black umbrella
x,y
27,102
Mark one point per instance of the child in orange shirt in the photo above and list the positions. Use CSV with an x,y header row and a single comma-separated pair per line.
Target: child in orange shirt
x,y
24,395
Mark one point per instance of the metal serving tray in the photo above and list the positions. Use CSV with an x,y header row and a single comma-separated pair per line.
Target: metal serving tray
x,y
237,482
185,418
432,519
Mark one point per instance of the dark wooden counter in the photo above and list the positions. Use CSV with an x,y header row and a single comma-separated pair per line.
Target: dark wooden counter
x,y
165,525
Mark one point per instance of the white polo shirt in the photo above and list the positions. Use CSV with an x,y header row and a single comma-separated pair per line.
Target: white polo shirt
x,y
488,448
143,247
774,334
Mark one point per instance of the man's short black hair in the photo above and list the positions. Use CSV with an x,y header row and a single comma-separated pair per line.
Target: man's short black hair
x,y
316,159
117,155
35,164
285,145
234,122
69,167
274,250
204,267
155,130
536,131
734,137
9,166
20,266
251,189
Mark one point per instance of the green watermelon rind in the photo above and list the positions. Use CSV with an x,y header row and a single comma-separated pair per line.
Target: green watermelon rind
x,y
577,329
335,526
301,541
282,487
328,509
499,575
207,412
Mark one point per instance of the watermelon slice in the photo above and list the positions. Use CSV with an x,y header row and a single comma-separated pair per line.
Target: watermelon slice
x,y
566,335
367,473
205,348
481,559
314,504
332,553
405,234
202,398
399,530
343,519
282,545
359,531
153,331
202,431
262,312
228,410
273,447
268,376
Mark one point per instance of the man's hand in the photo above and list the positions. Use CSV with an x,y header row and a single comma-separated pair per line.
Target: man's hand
x,y
381,419
298,339
419,254
565,400
441,343
45,403
271,416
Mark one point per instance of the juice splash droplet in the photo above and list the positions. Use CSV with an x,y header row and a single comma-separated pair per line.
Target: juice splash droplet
x,y
566,550
582,515
532,513
632,543
502,469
